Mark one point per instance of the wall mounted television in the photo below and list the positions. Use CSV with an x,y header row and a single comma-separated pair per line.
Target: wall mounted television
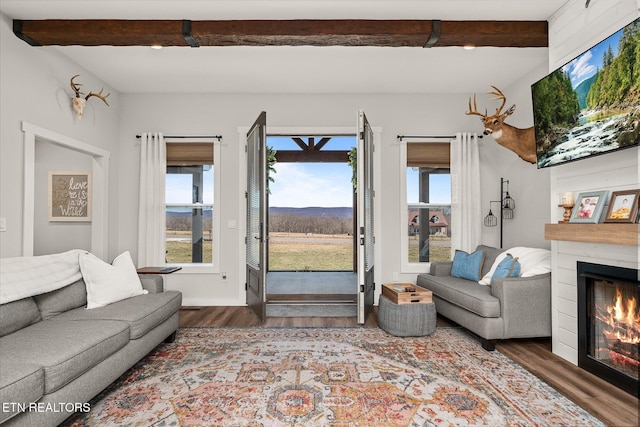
x,y
591,105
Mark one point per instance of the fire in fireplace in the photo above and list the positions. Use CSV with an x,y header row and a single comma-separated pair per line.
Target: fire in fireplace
x,y
609,323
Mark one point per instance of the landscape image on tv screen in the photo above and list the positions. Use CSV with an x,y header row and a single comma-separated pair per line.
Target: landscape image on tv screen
x,y
591,105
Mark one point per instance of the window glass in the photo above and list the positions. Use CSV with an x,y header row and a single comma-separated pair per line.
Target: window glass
x,y
428,214
189,197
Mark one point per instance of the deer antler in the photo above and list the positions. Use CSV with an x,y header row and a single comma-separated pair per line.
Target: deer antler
x,y
474,111
99,95
76,86
498,95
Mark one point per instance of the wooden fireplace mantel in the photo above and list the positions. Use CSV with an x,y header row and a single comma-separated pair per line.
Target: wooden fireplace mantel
x,y
611,234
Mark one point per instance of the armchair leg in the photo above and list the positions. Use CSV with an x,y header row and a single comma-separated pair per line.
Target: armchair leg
x,y
171,338
489,345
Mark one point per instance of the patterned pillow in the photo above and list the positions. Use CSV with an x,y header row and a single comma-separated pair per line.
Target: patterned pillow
x,y
467,266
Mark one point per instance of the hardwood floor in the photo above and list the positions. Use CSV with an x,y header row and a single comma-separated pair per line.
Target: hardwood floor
x,y
606,402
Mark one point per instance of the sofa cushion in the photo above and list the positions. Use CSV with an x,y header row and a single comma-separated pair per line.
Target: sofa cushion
x,y
463,293
109,283
19,314
142,313
61,300
20,384
64,349
467,266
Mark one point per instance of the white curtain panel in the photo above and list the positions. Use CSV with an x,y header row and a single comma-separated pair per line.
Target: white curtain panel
x,y
151,209
466,210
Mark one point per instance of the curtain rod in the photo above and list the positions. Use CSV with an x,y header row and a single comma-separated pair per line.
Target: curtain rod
x,y
401,137
218,137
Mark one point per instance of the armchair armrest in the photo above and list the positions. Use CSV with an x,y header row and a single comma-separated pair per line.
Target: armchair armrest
x,y
152,283
525,305
441,268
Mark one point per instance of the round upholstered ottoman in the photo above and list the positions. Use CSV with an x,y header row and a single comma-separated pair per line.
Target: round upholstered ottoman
x,y
406,320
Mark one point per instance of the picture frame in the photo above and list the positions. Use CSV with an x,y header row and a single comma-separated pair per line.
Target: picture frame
x,y
589,207
623,206
69,196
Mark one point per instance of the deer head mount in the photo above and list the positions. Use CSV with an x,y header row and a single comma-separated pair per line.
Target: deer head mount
x,y
79,101
520,141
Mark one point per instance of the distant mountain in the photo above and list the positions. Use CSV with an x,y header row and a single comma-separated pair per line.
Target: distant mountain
x,y
583,89
186,212
343,212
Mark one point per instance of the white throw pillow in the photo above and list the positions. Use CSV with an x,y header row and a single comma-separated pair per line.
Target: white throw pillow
x,y
533,261
109,283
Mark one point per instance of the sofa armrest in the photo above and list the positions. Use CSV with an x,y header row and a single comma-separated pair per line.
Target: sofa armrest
x,y
525,305
441,268
152,283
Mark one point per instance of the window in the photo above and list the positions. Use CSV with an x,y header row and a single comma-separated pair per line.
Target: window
x,y
426,233
192,226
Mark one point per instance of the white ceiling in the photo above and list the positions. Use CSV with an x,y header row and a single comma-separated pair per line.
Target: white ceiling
x,y
297,69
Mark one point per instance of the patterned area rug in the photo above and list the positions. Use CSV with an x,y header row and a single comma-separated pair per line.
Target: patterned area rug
x,y
328,377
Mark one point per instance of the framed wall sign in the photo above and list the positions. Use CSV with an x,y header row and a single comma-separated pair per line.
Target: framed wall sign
x,y
69,196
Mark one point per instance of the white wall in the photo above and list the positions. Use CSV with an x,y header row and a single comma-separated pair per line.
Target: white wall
x,y
573,30
35,88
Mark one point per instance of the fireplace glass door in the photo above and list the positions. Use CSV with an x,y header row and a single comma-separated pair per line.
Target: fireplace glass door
x,y
609,328
615,326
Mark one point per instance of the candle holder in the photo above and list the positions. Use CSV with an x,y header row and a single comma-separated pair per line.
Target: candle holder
x,y
568,209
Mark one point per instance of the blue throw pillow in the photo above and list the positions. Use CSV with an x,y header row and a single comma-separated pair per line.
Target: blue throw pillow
x,y
508,267
467,266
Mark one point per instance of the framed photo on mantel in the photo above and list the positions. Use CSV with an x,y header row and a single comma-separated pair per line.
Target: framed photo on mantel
x,y
69,196
589,207
623,206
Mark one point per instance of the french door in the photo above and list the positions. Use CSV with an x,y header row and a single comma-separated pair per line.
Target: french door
x,y
365,193
256,233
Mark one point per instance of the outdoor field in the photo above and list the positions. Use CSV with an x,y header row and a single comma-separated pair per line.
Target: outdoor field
x,y
305,252
310,252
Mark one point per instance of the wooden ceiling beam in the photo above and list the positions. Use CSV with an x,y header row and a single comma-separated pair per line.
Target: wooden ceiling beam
x,y
101,32
341,32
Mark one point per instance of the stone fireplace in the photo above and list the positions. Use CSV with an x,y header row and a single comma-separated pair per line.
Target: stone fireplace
x,y
609,323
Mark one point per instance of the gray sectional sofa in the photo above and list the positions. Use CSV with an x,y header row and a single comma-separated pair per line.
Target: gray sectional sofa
x,y
55,355
514,307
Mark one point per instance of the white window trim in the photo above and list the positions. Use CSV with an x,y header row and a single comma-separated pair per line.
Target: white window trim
x,y
214,265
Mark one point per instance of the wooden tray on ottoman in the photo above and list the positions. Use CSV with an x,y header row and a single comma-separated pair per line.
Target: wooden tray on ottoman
x,y
406,293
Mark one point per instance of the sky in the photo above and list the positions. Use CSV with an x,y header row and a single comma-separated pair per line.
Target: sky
x,y
301,185
439,187
178,188
587,64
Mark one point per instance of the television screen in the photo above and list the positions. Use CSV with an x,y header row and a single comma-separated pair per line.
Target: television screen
x,y
591,105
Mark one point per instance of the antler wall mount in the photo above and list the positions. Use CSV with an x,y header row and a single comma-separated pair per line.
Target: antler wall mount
x,y
79,100
520,141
